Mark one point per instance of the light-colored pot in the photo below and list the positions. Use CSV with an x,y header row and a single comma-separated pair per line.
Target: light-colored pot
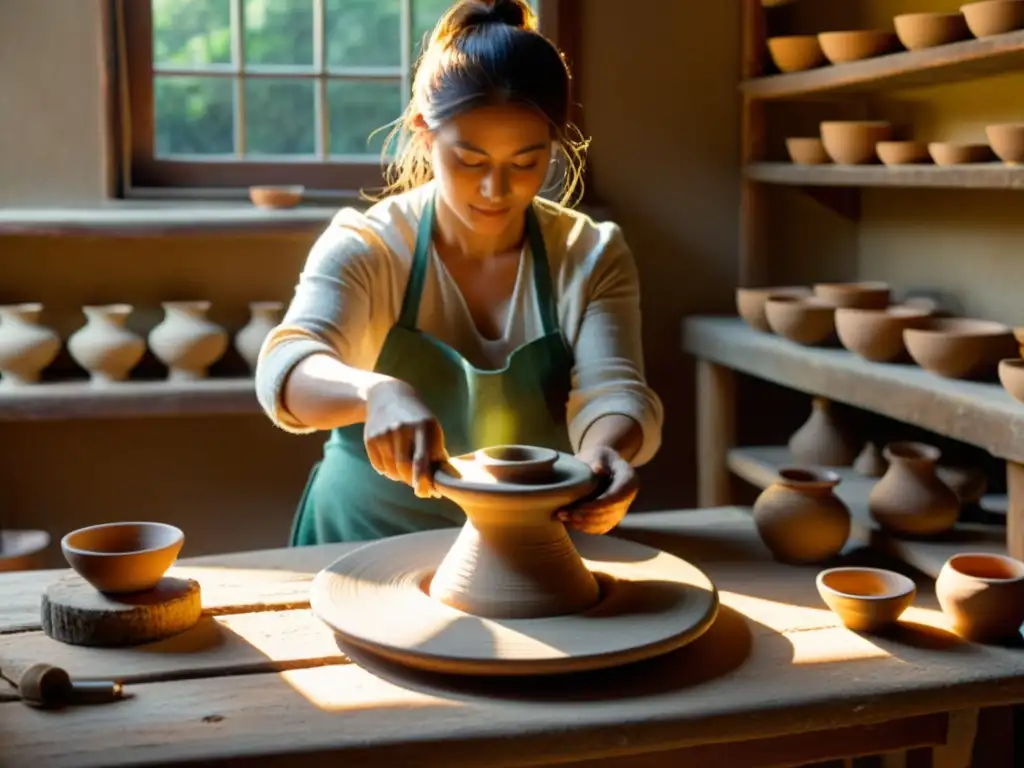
x,y
26,347
104,346
264,316
186,342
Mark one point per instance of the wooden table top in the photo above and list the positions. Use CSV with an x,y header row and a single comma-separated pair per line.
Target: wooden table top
x,y
261,675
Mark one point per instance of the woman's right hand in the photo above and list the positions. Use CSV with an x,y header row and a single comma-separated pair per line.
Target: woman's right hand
x,y
404,440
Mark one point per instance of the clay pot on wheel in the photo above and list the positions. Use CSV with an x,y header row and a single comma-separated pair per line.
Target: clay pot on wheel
x,y
910,499
821,440
799,518
983,595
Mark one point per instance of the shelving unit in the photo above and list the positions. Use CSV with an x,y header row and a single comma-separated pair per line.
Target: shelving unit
x,y
979,414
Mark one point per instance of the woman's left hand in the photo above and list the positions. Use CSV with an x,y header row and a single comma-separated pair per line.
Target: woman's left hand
x,y
602,513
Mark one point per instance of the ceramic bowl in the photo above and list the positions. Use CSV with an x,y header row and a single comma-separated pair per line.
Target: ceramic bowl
x,y
795,53
808,321
866,599
994,17
841,47
1011,376
750,303
902,152
866,294
982,594
276,196
956,153
959,347
807,151
926,30
123,557
877,334
853,142
1007,141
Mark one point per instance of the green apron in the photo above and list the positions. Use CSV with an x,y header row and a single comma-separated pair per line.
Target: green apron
x,y
345,499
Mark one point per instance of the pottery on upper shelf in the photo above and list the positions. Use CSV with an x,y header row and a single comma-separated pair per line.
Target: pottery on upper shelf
x,y
854,142
994,17
804,320
927,30
877,334
104,346
1011,376
959,153
186,341
750,303
903,152
1007,141
796,53
271,196
843,46
807,150
960,347
864,294
263,317
26,346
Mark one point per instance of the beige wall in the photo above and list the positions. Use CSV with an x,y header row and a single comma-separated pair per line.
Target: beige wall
x,y
660,105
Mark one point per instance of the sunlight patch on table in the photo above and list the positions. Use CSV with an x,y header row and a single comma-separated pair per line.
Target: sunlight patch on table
x,y
339,688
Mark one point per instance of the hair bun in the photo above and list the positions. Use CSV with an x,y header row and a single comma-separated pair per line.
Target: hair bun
x,y
477,13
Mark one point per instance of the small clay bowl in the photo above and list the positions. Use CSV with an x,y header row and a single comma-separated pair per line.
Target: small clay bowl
x,y
1007,142
750,303
927,30
866,599
982,593
960,347
902,152
868,294
1011,376
853,142
841,47
123,557
804,320
807,151
796,53
877,334
956,153
994,17
518,464
276,197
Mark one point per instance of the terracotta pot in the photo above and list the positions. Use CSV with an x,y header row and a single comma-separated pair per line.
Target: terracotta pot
x,y
854,142
877,334
795,53
983,596
994,17
186,342
26,347
800,519
750,303
807,151
954,153
841,47
927,30
123,557
1011,376
910,499
806,321
902,152
1007,141
959,347
866,599
276,196
867,294
870,462
264,316
104,346
822,440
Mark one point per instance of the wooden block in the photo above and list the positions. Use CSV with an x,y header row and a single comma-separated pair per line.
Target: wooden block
x,y
74,612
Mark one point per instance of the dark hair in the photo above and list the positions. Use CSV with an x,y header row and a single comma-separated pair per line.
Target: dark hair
x,y
484,53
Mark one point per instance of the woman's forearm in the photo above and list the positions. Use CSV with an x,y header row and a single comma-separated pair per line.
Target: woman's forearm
x,y
620,433
323,393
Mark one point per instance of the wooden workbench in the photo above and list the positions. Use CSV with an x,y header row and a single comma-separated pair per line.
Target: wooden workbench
x,y
776,681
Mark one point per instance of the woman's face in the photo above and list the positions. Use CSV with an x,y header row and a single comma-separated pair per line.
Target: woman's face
x,y
490,163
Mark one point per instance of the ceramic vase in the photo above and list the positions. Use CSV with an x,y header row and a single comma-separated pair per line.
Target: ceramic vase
x,y
869,462
104,346
186,341
821,440
263,317
26,347
910,499
800,519
983,596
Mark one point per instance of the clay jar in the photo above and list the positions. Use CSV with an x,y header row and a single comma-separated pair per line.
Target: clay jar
x,y
799,518
26,347
822,440
103,346
983,596
186,342
910,499
263,317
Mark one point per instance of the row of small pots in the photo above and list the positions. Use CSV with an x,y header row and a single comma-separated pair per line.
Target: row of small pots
x,y
913,31
185,340
864,142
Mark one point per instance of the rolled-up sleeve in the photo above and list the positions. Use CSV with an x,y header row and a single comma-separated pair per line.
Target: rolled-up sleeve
x,y
608,373
329,313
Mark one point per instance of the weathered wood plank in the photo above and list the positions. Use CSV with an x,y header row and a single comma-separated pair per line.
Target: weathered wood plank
x,y
973,176
978,413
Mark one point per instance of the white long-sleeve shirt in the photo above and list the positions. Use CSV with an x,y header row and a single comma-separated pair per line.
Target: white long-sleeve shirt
x,y
350,293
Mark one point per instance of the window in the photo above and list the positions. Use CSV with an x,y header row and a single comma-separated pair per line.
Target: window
x,y
223,94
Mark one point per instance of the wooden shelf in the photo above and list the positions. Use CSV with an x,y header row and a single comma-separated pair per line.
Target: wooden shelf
x,y
966,60
129,399
759,466
977,413
974,176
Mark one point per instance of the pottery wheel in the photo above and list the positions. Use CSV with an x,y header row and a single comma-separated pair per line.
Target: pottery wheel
x,y
375,598
74,612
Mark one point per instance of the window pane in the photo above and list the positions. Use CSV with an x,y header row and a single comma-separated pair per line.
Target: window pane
x,y
279,32
280,116
425,14
357,109
191,33
363,33
194,115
